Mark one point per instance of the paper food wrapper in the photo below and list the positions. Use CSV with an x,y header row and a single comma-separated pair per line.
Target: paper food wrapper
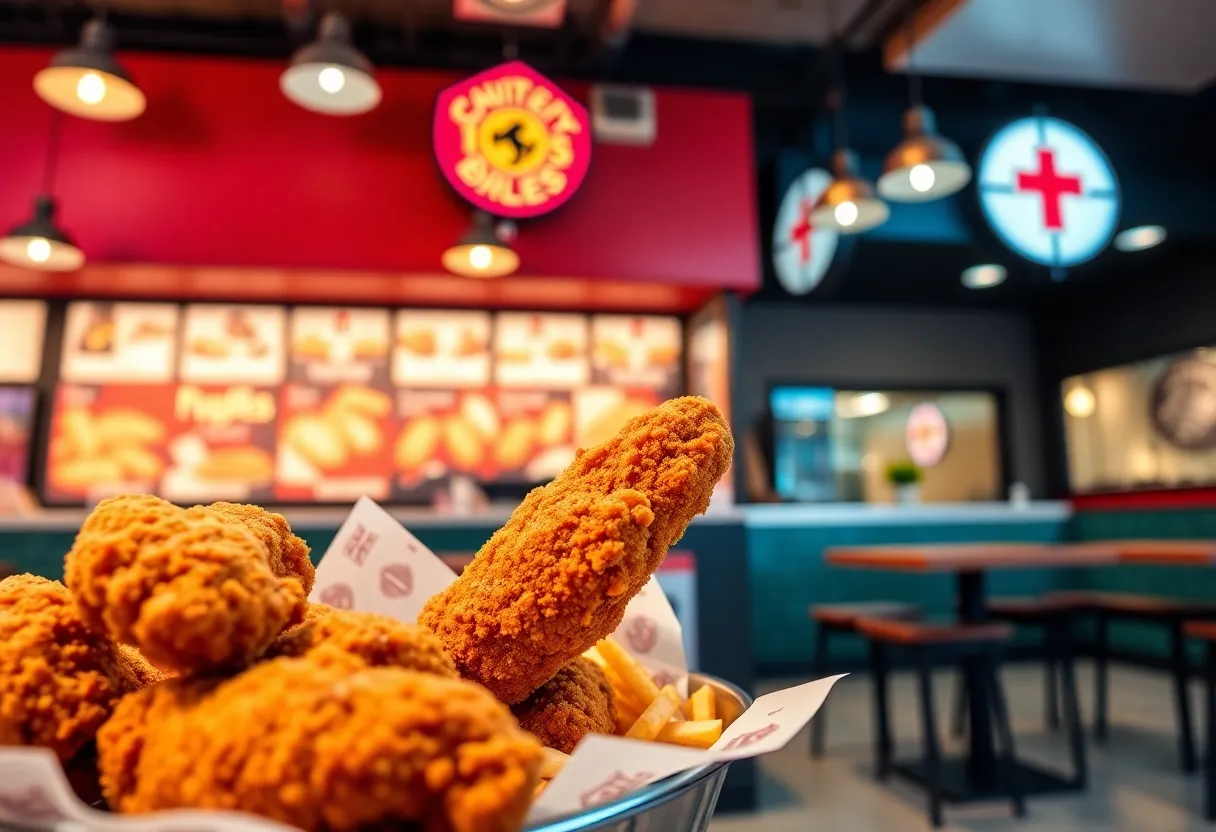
x,y
375,565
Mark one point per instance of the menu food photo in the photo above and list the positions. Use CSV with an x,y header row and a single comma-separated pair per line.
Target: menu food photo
x,y
233,344
107,342
541,350
335,345
637,351
442,349
22,331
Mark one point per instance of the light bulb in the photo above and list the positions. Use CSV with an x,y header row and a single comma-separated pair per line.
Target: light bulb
x,y
332,79
91,88
480,257
846,214
1080,402
921,178
38,250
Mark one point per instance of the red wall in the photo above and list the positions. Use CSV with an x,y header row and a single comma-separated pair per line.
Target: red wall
x,y
223,171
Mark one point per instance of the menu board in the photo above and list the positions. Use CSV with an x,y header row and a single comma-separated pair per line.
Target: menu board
x,y
637,351
541,350
221,445
441,349
233,344
333,441
335,346
16,426
22,331
709,366
121,343
106,440
208,402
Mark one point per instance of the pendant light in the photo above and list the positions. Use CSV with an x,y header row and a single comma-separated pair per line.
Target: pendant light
x,y
482,251
330,75
848,205
40,243
925,165
88,81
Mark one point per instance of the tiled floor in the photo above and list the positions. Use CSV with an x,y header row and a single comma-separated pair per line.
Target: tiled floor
x,y
1135,783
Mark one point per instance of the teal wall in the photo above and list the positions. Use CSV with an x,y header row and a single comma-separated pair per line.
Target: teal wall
x,y
1192,582
788,575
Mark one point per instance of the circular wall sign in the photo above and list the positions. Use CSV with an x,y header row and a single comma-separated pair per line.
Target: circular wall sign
x,y
1183,405
1048,191
927,435
802,253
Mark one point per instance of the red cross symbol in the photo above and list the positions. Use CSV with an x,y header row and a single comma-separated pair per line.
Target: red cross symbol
x,y
801,233
1051,187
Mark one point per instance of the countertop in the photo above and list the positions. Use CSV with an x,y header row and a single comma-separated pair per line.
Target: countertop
x,y
755,516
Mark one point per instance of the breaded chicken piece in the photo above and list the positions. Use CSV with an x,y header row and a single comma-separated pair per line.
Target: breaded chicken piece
x,y
58,680
574,703
330,745
376,639
192,591
557,577
287,553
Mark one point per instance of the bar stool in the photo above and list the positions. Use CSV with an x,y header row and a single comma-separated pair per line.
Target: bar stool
x,y
930,646
840,619
1169,613
1205,631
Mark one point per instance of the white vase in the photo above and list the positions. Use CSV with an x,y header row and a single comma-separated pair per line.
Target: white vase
x,y
907,495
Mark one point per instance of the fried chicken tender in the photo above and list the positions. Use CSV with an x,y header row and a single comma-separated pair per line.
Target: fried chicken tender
x,y
330,745
191,590
58,680
574,703
557,577
287,553
377,640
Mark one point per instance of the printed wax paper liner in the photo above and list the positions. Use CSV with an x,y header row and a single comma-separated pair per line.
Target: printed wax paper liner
x,y
376,565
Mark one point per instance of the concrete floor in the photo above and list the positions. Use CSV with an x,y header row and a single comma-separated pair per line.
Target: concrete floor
x,y
1134,781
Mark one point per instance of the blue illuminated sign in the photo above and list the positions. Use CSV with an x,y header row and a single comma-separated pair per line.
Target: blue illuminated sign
x,y
1048,191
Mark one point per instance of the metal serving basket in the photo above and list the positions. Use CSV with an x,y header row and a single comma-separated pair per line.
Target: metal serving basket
x,y
683,802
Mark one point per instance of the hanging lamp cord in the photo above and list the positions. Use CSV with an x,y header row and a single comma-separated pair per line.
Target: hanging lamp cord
x,y
914,88
839,92
52,152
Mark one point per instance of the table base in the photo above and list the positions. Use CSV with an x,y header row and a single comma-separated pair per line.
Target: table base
x,y
956,786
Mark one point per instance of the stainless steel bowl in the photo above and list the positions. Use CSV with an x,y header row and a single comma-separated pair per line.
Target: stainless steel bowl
x,y
683,802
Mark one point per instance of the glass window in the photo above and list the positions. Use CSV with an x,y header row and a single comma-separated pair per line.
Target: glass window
x,y
832,445
1147,425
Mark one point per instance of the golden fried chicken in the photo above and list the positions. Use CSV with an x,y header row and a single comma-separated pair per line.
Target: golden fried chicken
x,y
191,590
574,703
58,680
557,577
330,745
287,553
376,639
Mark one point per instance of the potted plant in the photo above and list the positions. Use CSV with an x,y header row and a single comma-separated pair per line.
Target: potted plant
x,y
905,478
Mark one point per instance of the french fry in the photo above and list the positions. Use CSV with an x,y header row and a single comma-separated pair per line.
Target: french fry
x,y
594,655
702,703
624,721
652,720
551,763
631,673
700,733
670,692
622,694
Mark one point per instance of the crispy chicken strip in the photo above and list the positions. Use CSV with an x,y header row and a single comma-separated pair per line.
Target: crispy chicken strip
x,y
557,577
58,679
376,639
192,591
329,745
574,703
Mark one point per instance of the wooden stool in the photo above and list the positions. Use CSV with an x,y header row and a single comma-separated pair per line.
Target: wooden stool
x,y
1205,631
934,645
839,619
1170,613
